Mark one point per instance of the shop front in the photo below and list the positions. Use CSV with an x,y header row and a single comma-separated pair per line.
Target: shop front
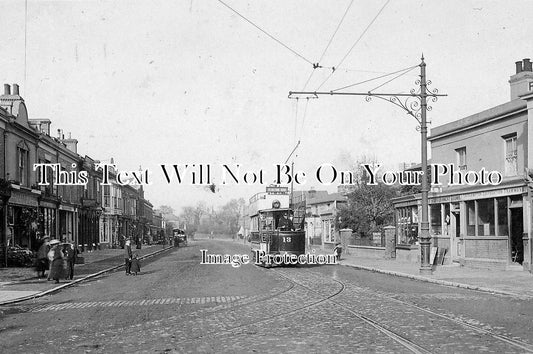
x,y
478,228
23,219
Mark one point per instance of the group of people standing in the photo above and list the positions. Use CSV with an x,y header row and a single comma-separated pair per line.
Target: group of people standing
x,y
131,260
56,258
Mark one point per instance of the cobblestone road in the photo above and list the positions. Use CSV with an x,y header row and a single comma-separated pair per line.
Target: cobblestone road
x,y
178,305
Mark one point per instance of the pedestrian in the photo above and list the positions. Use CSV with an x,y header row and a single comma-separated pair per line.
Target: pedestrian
x,y
56,268
337,251
70,257
42,257
127,256
135,264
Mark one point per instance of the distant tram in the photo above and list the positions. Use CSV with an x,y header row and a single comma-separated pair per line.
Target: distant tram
x,y
179,236
273,235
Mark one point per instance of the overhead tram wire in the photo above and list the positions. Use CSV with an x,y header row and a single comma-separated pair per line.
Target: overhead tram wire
x,y
353,46
403,71
318,65
327,46
25,42
394,78
303,120
296,120
265,32
336,30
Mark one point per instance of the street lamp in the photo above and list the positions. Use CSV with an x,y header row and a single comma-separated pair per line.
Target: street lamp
x,y
415,104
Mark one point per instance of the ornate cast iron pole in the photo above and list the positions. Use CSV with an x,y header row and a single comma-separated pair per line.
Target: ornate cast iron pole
x,y
425,238
417,108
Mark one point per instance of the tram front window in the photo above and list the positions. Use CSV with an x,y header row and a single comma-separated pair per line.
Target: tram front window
x,y
284,223
267,222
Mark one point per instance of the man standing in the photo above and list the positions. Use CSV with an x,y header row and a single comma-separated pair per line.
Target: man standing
x,y
127,256
70,256
284,223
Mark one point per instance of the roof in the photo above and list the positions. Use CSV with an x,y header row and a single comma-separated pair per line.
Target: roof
x,y
328,198
310,194
499,111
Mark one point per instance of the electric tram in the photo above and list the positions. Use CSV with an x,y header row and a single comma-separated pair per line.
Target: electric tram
x,y
273,237
179,236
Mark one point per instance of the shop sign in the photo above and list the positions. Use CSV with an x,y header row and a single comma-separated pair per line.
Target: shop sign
x,y
479,195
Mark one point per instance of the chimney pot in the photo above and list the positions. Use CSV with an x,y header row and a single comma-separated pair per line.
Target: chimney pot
x,y
518,66
527,64
16,89
7,89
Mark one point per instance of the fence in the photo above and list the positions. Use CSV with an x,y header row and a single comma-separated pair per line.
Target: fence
x,y
376,240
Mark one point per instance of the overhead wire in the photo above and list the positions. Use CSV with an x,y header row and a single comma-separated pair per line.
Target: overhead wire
x,y
403,71
336,30
394,78
316,67
355,43
329,43
303,119
296,119
25,41
265,32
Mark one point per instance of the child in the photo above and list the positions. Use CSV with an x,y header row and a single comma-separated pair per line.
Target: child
x,y
135,265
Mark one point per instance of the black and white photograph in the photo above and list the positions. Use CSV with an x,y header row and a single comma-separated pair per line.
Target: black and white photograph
x,y
299,176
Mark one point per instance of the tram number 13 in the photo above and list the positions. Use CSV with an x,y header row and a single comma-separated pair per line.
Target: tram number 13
x,y
286,239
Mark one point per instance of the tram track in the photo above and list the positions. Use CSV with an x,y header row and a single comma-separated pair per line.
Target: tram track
x,y
405,342
503,338
258,301
402,340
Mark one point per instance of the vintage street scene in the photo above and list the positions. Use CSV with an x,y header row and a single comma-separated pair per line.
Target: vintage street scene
x,y
270,176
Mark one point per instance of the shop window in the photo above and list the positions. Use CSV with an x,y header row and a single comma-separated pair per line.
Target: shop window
x,y
407,225
471,218
485,210
436,219
511,155
461,158
503,228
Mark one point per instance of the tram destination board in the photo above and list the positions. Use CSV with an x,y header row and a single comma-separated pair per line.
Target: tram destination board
x,y
277,190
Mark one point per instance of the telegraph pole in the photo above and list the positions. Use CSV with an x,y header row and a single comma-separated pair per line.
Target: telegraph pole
x,y
415,104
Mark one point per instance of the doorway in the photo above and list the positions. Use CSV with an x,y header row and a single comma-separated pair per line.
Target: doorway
x,y
517,229
455,235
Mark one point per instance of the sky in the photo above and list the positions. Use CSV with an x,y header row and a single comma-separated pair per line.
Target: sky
x,y
192,82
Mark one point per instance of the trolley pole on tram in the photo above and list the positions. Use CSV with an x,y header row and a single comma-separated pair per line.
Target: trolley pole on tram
x,y
414,104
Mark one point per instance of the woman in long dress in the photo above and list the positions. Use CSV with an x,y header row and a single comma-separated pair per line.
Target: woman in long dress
x,y
57,270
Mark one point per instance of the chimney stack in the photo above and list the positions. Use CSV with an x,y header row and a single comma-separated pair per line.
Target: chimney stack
x,y
15,89
7,89
523,79
70,143
518,66
527,64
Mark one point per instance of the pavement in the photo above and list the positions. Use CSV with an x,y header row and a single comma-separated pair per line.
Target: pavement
x,y
517,283
20,284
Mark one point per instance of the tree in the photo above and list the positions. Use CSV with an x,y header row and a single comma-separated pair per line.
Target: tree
x,y
369,206
368,209
166,210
